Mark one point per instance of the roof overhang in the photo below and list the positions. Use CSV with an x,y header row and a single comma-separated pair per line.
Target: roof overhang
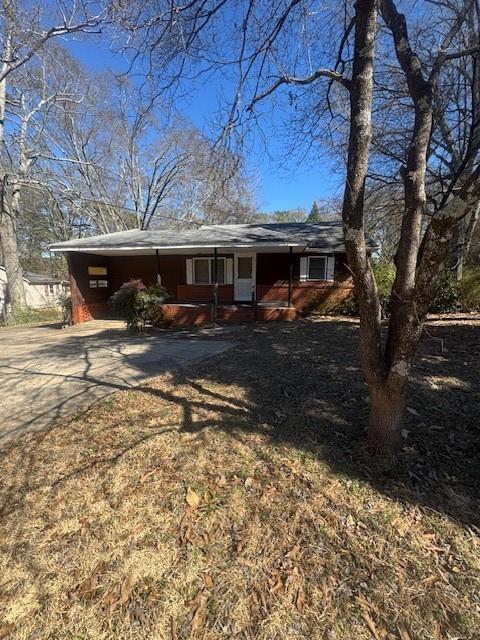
x,y
202,249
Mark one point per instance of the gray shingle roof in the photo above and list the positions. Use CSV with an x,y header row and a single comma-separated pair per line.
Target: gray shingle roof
x,y
37,278
322,235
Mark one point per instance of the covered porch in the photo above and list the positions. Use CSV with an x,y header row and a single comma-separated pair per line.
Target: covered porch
x,y
211,284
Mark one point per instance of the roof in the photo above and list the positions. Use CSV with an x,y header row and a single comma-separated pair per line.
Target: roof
x,y
324,236
37,278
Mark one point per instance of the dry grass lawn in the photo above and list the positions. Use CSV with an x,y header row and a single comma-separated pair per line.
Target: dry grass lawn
x,y
235,500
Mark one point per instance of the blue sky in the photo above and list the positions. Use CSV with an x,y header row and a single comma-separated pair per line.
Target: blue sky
x,y
282,184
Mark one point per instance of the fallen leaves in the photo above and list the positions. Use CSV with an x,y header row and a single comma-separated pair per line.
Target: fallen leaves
x,y
208,581
6,630
300,599
128,586
277,543
199,614
377,633
192,498
404,632
112,599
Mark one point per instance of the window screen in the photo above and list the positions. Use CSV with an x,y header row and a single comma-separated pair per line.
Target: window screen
x,y
317,268
245,267
202,271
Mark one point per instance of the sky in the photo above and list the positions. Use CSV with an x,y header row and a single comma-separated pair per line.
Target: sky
x,y
282,183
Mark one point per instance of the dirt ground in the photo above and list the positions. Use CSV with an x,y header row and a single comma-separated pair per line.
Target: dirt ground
x,y
234,498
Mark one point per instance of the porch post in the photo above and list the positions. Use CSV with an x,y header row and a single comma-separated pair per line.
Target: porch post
x,y
159,277
290,276
215,284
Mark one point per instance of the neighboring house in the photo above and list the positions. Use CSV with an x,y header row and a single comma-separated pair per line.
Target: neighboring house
x,y
223,272
40,291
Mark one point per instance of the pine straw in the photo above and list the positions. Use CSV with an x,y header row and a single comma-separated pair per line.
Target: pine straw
x,y
290,530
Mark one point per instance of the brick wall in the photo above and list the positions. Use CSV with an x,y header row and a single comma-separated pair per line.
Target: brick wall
x,y
204,292
304,294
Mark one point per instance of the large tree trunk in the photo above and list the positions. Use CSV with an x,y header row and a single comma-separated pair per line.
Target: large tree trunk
x,y
387,411
8,240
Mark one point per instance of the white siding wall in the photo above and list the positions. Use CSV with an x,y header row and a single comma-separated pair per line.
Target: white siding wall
x,y
38,296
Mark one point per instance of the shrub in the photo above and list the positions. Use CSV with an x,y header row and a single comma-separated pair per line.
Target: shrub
x,y
447,294
138,304
384,272
65,304
470,289
346,307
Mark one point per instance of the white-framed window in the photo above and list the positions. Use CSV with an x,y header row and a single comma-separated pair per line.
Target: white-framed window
x,y
51,289
203,270
317,268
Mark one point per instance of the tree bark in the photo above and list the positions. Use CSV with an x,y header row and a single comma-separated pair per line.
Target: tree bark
x,y
353,200
8,227
8,240
387,410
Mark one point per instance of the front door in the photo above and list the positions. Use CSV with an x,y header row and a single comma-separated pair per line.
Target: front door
x,y
244,281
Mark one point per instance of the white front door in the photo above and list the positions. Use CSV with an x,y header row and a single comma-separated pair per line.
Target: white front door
x,y
244,281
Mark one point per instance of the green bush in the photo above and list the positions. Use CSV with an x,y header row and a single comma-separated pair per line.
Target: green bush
x,y
384,272
447,294
138,304
346,307
470,289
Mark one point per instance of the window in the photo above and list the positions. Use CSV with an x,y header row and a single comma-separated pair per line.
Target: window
x,y
204,270
244,267
95,284
317,268
51,289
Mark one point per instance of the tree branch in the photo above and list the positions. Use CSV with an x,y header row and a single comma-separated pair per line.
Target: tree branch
x,y
320,73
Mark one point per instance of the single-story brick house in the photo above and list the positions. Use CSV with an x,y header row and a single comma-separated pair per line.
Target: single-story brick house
x,y
238,271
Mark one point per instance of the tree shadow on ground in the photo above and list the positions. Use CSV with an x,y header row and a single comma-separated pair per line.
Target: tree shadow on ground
x,y
303,389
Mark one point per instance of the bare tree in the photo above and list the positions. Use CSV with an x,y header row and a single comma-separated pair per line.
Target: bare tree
x,y
24,30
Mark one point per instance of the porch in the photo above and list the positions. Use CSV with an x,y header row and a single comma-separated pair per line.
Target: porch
x,y
212,284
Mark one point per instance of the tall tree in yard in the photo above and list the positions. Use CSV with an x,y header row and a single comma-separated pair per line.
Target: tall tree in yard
x,y
25,29
333,76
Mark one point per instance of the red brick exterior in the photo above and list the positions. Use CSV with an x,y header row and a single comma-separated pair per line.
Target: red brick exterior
x,y
181,315
85,312
305,294
203,292
187,315
272,286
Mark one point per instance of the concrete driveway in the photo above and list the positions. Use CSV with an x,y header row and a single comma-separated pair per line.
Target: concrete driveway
x,y
47,372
